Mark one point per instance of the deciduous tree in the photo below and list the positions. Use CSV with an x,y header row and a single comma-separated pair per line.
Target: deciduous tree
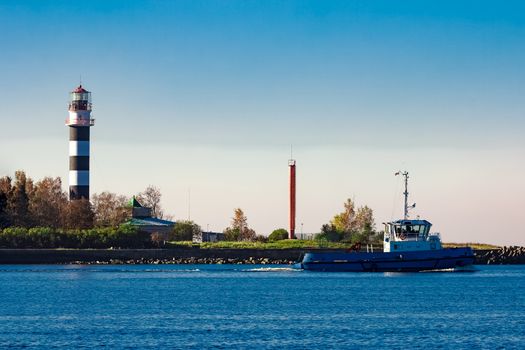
x,y
150,198
110,209
364,218
345,221
5,189
351,225
239,230
18,200
78,214
47,202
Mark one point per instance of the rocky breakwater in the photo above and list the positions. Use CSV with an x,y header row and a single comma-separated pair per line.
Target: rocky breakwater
x,y
505,255
150,256
192,260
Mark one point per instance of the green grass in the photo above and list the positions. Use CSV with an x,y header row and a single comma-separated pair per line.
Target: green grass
x,y
284,244
295,244
479,246
181,244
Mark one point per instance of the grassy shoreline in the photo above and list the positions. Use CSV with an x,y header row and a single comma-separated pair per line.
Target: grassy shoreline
x,y
299,244
476,246
283,244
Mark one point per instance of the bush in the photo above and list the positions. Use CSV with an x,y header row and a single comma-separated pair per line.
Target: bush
x,y
14,237
232,234
278,235
124,236
185,231
261,239
328,233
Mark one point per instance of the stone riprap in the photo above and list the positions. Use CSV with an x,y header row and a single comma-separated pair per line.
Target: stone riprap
x,y
181,261
505,255
150,256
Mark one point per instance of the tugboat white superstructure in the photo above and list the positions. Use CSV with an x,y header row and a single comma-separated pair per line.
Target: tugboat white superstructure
x,y
408,245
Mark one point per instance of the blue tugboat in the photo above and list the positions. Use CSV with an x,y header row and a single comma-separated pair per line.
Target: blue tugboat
x,y
408,246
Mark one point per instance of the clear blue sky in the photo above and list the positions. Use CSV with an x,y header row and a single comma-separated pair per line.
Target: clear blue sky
x,y
209,95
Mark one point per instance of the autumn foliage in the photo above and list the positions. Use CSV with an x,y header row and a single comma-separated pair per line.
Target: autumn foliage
x,y
239,230
24,203
39,215
351,225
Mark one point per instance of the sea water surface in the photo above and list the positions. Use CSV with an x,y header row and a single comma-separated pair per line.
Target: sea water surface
x,y
258,307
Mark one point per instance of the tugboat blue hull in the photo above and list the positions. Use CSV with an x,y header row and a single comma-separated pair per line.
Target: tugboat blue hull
x,y
408,261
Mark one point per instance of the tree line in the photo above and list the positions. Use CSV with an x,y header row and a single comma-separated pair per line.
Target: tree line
x,y
352,225
27,205
39,215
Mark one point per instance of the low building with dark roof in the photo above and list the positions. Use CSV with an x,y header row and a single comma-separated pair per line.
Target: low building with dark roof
x,y
142,219
211,237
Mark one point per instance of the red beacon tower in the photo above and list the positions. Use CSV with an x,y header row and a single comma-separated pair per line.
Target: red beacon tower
x,y
291,165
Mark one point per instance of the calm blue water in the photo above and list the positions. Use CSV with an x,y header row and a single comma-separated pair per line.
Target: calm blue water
x,y
221,306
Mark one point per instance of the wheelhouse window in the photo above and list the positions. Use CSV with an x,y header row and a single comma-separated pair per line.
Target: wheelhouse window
x,y
407,229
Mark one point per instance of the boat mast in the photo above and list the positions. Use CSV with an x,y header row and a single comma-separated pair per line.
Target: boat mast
x,y
405,175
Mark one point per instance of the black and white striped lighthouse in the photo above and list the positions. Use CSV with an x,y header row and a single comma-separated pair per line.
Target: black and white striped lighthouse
x,y
79,122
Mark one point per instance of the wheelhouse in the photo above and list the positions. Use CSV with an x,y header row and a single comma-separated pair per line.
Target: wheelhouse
x,y
410,235
410,230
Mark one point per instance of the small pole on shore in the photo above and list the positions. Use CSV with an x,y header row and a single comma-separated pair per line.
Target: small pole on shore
x,y
189,204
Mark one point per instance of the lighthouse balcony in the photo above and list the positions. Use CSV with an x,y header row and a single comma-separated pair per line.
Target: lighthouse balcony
x,y
80,121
